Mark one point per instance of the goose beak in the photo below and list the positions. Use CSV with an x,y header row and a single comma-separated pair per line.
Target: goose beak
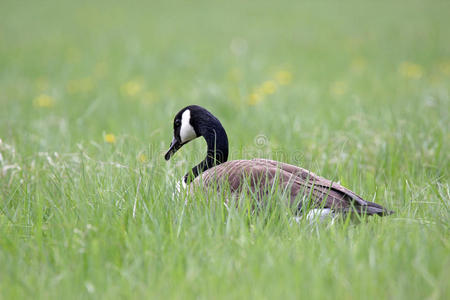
x,y
174,146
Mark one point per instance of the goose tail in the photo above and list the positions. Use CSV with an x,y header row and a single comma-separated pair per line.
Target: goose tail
x,y
371,208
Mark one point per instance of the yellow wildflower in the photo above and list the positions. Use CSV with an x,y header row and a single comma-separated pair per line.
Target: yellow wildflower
x,y
131,88
339,88
269,87
444,67
110,138
410,70
255,98
82,85
148,97
283,77
142,158
235,74
43,101
358,64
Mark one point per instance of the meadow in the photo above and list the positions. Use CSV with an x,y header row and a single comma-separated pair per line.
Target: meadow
x,y
356,91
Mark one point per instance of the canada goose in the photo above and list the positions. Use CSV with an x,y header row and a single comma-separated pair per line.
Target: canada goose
x,y
194,121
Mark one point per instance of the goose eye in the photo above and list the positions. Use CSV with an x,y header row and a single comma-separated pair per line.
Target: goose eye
x,y
177,123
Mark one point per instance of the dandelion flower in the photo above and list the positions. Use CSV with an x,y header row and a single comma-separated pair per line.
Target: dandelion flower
x,y
82,85
339,88
235,74
358,64
410,70
142,158
148,97
444,67
269,87
43,100
131,88
110,138
283,77
255,98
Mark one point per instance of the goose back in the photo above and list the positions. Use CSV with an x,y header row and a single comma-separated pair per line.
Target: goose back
x,y
260,176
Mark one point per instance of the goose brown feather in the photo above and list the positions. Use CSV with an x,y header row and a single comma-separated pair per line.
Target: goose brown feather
x,y
259,175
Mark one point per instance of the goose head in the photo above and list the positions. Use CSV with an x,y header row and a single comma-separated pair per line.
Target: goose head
x,y
192,122
183,130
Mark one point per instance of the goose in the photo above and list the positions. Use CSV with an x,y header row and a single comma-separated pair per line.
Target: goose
x,y
258,175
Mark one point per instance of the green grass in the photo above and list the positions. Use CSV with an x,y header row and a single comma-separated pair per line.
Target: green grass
x,y
367,104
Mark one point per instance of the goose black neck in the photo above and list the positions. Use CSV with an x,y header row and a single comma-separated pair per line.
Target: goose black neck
x,y
217,143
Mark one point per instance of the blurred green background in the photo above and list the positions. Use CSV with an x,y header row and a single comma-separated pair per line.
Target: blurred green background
x,y
357,91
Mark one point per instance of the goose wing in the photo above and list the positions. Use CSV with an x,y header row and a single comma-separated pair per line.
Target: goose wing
x,y
260,176
324,193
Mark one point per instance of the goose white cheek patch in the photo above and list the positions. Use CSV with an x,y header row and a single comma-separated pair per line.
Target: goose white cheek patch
x,y
187,132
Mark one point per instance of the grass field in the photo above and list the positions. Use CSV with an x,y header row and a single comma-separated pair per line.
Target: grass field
x,y
356,92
